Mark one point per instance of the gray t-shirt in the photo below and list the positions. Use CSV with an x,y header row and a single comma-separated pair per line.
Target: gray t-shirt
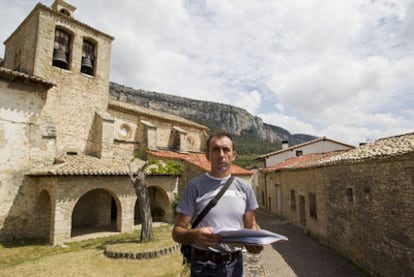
x,y
228,213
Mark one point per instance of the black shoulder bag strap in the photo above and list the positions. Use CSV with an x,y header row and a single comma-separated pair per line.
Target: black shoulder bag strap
x,y
212,202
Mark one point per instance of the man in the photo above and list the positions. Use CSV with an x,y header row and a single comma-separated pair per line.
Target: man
x,y
235,210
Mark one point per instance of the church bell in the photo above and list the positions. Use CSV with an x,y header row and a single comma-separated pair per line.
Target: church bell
x,y
87,66
59,58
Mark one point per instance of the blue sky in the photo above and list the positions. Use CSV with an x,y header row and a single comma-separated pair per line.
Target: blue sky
x,y
340,69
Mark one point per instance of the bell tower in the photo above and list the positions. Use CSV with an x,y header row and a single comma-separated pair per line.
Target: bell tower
x,y
50,43
63,8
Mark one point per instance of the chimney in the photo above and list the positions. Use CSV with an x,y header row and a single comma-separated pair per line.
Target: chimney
x,y
285,144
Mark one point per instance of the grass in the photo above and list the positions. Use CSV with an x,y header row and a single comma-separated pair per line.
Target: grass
x,y
86,258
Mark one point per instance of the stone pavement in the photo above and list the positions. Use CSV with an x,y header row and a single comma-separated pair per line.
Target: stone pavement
x,y
300,256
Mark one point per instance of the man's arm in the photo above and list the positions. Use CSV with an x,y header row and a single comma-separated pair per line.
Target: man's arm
x,y
202,236
249,220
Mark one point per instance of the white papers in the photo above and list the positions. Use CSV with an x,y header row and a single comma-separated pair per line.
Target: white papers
x,y
247,236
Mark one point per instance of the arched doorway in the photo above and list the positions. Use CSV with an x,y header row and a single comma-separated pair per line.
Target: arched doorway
x,y
160,205
96,211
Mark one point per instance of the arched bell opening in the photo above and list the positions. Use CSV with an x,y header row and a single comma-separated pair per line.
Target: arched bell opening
x,y
62,48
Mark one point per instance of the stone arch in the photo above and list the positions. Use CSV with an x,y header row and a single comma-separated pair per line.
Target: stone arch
x,y
42,216
158,200
96,210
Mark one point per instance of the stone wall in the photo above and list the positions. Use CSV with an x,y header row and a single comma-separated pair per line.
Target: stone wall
x,y
135,129
20,50
20,106
364,209
295,187
86,200
42,123
371,213
73,102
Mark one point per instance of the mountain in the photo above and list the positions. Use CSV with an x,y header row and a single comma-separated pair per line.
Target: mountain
x,y
216,116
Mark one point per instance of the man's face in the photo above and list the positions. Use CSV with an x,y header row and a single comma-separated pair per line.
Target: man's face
x,y
221,155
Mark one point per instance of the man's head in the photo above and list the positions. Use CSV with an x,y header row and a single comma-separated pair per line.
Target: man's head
x,y
221,154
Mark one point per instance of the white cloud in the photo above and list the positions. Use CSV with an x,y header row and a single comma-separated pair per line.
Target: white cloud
x,y
340,69
292,124
249,100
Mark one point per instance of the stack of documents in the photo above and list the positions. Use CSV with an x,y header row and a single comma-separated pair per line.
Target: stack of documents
x,y
247,236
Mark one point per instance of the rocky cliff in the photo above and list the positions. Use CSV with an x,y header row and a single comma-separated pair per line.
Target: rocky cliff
x,y
216,116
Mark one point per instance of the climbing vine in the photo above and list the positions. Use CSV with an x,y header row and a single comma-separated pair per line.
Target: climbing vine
x,y
160,167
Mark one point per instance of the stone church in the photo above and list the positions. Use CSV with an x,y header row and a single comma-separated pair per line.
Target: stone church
x,y
66,145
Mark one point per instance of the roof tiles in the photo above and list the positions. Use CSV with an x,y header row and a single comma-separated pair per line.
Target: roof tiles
x,y
87,165
381,148
197,159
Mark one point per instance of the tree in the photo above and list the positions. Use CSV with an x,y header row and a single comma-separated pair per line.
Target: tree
x,y
138,181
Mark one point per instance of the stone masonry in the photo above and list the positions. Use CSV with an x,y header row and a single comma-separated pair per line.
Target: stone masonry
x,y
65,145
359,202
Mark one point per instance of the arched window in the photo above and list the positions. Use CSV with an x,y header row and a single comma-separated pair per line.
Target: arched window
x,y
88,57
61,51
65,12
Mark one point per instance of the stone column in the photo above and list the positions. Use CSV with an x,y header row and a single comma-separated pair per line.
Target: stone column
x,y
61,223
126,220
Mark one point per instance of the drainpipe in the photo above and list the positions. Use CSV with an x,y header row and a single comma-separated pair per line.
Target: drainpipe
x,y
265,198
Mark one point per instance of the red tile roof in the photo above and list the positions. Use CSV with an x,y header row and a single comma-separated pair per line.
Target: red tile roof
x,y
197,159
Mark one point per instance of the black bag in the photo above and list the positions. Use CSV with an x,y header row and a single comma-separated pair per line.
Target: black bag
x,y
186,249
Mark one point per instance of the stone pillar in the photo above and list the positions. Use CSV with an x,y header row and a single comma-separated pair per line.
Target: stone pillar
x,y
151,131
61,223
181,139
105,134
126,220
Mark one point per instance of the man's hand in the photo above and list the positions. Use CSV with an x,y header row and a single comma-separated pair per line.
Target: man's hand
x,y
205,237
254,249
249,219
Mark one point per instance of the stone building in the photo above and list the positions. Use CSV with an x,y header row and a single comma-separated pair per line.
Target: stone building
x,y
318,145
360,202
66,146
270,192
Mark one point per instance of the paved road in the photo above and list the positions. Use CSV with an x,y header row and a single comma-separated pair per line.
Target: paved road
x,y
301,255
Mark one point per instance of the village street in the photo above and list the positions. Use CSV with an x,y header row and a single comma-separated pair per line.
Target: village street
x,y
300,256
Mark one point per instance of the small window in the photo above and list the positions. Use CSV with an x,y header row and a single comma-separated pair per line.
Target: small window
x,y
263,198
312,205
88,58
292,199
124,131
269,203
190,142
299,153
350,195
61,50
65,12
